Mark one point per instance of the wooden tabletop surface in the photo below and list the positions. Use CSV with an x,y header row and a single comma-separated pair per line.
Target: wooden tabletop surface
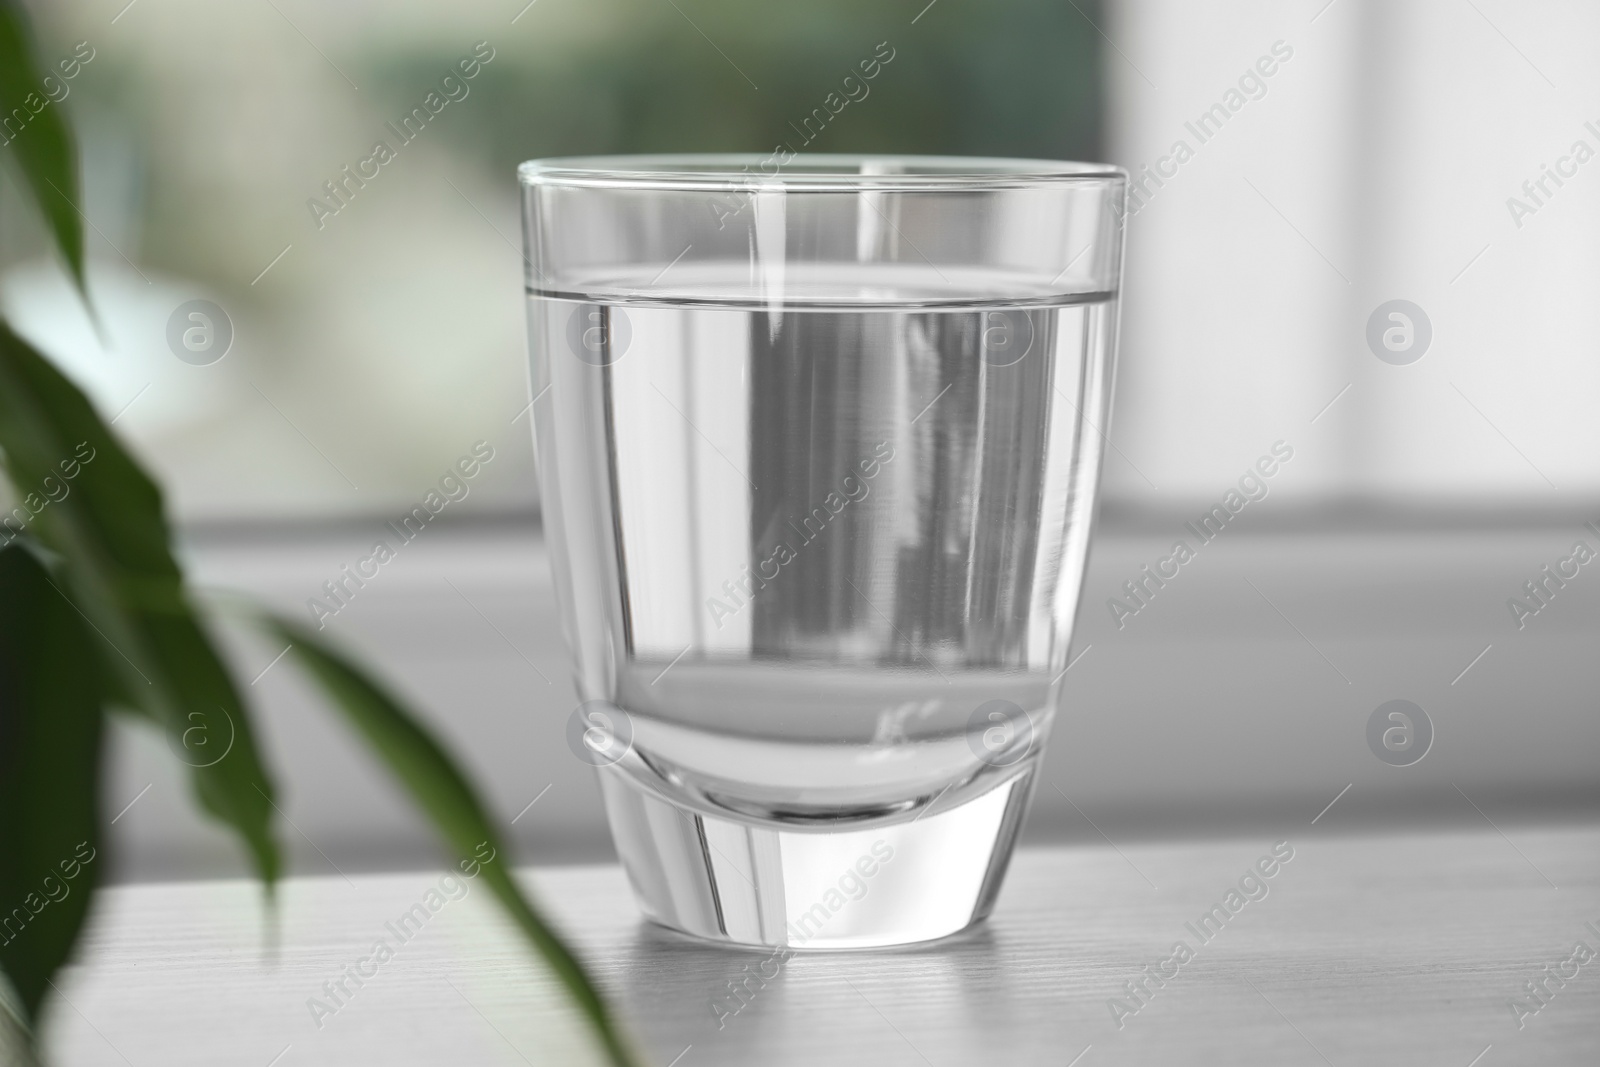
x,y
1404,948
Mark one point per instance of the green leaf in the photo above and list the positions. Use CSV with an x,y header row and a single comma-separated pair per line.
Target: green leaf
x,y
106,521
442,792
50,722
42,146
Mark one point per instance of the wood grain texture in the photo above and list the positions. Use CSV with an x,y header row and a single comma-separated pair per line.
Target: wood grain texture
x,y
1375,950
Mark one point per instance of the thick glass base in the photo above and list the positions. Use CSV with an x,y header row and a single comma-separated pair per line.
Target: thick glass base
x,y
921,874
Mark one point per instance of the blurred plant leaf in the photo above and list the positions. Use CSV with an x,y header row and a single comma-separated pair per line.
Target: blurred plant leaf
x,y
442,792
106,520
50,721
42,146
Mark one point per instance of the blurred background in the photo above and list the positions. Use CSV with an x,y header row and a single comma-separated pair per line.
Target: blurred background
x,y
1335,157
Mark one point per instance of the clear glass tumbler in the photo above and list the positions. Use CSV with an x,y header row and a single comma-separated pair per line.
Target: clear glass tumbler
x,y
818,439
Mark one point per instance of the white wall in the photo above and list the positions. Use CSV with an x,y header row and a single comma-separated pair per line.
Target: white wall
x,y
1377,166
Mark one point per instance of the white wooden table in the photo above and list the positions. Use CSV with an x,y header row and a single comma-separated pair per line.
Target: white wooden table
x,y
1392,949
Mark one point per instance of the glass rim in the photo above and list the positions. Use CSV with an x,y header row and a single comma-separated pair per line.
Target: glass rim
x,y
809,172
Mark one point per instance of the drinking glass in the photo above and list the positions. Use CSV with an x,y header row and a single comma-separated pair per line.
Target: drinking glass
x,y
818,442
